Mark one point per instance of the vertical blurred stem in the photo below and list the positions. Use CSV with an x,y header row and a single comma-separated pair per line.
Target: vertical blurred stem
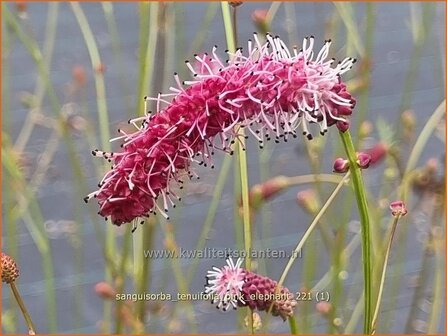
x,y
9,223
148,42
366,66
383,274
33,219
149,31
147,237
103,120
230,34
121,276
99,78
107,7
292,325
360,195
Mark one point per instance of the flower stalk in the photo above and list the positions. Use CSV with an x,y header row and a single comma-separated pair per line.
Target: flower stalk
x,y
397,216
26,315
360,194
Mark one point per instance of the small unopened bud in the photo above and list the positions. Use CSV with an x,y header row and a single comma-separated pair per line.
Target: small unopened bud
x,y
257,322
79,75
235,4
104,290
341,165
408,120
9,269
260,193
308,200
365,129
21,8
343,126
363,160
261,21
323,307
378,152
398,208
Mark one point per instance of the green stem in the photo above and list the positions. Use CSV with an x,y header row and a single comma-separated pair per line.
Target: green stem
x,y
292,325
147,58
120,280
29,322
360,194
382,279
309,230
230,34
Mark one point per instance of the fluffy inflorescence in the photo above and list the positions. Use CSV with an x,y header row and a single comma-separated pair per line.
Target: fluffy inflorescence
x,y
271,91
233,286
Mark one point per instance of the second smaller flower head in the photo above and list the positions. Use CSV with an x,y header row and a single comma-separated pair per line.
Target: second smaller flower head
x,y
9,269
398,208
234,286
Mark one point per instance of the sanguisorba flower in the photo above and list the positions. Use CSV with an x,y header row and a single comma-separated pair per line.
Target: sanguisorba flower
x,y
234,286
270,90
9,269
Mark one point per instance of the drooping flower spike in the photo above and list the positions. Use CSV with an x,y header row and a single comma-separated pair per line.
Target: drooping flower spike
x,y
271,91
234,286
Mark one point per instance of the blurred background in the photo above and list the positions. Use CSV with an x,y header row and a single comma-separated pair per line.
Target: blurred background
x,y
73,73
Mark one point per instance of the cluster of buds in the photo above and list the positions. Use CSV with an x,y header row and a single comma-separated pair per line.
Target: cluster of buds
x,y
342,165
234,286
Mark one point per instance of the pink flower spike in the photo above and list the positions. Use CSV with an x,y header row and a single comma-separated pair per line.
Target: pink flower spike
x,y
270,90
341,165
398,208
363,160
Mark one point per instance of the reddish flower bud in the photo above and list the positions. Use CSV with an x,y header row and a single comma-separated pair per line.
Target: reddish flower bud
x,y
260,20
79,75
104,290
377,153
235,4
323,307
343,126
260,193
21,8
398,208
308,200
9,269
341,165
363,160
